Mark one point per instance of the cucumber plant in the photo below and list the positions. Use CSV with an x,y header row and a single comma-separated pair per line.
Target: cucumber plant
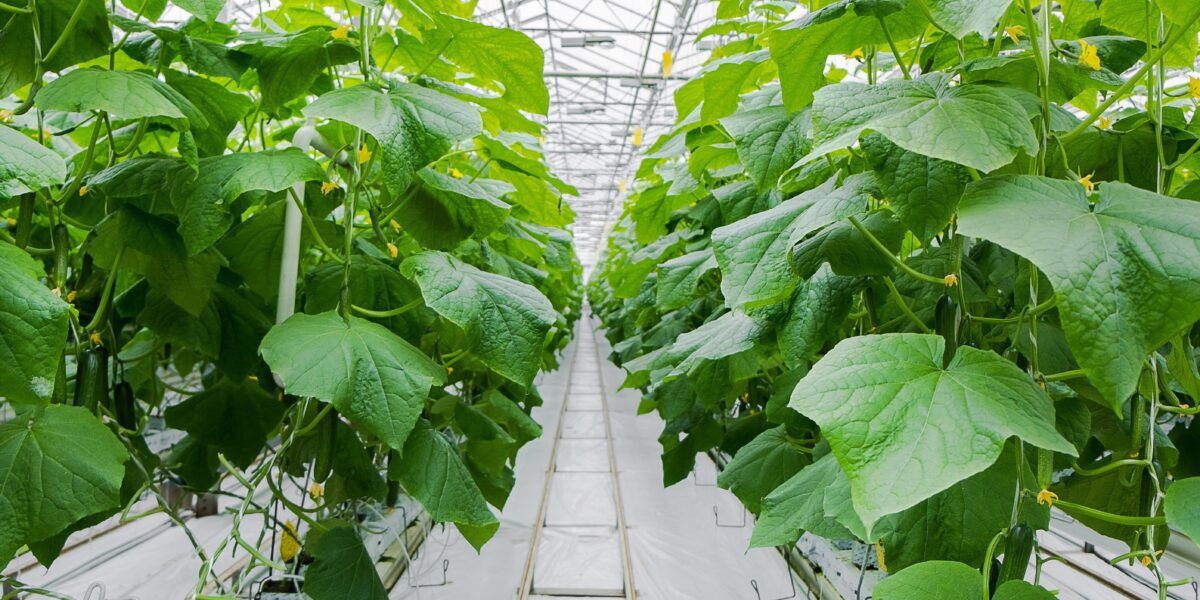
x,y
925,268
147,174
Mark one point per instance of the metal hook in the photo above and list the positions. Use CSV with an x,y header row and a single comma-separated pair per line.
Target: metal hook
x,y
791,580
96,586
696,480
717,518
445,577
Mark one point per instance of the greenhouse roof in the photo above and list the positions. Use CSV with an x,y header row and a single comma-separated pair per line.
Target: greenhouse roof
x,y
604,68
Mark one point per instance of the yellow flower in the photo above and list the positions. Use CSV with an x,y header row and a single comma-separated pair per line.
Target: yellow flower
x,y
450,370
71,296
951,280
393,250
1088,56
879,556
1047,497
12,222
1145,561
1104,122
289,546
96,339
455,173
1015,32
340,33
1087,182
5,115
364,154
316,491
46,133
1194,86
858,53
327,186
83,191
395,226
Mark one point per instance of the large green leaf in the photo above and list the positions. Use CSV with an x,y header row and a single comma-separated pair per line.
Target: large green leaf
x,y
800,47
289,64
1183,506
128,94
203,202
90,37
963,17
342,567
58,464
904,427
222,108
753,252
234,418
940,579
27,163
816,499
718,85
443,210
973,125
205,9
413,125
498,55
505,320
371,375
815,316
33,329
923,191
1126,271
769,141
432,471
761,466
678,278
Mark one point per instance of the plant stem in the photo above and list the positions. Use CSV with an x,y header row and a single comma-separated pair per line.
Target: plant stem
x,y
899,300
384,314
878,245
891,44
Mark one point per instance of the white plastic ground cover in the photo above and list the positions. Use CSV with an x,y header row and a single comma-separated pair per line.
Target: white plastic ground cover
x,y
579,561
494,572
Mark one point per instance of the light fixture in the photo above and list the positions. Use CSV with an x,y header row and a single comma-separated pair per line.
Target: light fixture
x,y
588,41
630,82
584,109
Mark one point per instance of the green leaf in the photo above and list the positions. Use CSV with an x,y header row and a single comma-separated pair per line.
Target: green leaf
x,y
33,328
769,141
28,162
207,10
718,85
498,55
963,17
90,38
816,314
1022,590
413,125
973,125
374,286
940,579
432,471
923,191
203,202
444,211
678,278
223,109
905,428
506,321
761,466
652,210
1124,270
800,47
342,567
234,418
816,499
55,452
725,336
1183,506
289,64
128,94
372,376
753,252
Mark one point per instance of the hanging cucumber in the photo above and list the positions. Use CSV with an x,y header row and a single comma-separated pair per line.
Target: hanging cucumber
x,y
91,378
62,254
25,221
946,321
326,444
1017,550
125,405
393,486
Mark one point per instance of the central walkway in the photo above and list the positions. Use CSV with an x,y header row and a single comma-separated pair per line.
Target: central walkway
x,y
589,517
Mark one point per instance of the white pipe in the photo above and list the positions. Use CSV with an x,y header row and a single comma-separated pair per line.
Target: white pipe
x,y
289,266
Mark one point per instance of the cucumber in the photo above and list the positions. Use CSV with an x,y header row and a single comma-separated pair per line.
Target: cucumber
x,y
326,444
25,221
125,405
62,254
946,321
91,379
1017,550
